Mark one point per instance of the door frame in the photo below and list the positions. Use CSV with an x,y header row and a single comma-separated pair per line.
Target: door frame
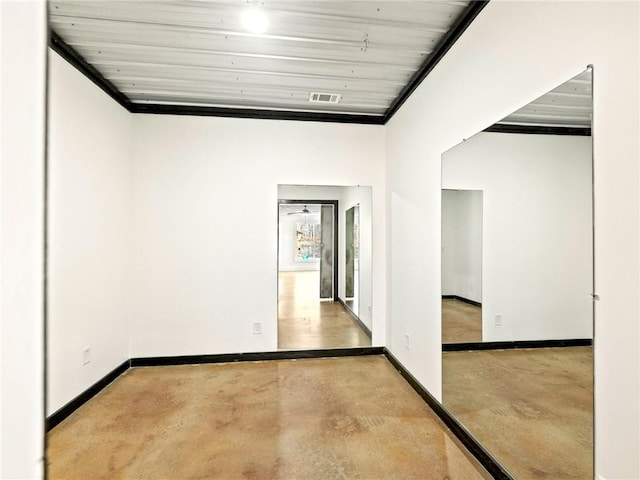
x,y
335,234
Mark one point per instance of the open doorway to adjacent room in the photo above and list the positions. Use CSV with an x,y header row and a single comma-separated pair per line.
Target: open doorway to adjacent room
x,y
319,284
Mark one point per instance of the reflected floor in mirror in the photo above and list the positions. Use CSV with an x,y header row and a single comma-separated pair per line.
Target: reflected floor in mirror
x,y
461,321
532,409
305,322
304,419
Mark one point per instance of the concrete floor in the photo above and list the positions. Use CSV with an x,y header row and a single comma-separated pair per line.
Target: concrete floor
x,y
532,409
336,418
461,321
304,322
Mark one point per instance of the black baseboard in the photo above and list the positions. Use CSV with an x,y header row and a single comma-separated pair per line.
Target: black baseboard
x,y
459,347
475,448
469,442
57,417
355,318
255,356
462,299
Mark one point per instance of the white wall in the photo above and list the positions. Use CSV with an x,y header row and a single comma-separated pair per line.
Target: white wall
x,y
202,274
537,235
91,205
89,229
462,244
480,80
22,101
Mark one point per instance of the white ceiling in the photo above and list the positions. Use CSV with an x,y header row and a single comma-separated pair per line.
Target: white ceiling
x,y
198,53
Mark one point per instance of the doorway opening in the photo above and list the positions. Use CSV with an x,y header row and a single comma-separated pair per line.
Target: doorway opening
x,y
310,312
308,242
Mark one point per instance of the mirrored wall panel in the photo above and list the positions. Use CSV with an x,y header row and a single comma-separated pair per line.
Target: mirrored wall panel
x,y
517,279
324,267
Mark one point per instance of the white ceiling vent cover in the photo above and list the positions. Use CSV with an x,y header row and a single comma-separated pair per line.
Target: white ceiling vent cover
x,y
324,97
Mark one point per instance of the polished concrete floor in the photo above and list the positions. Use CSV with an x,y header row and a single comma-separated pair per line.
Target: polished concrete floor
x,y
305,322
461,322
532,409
325,419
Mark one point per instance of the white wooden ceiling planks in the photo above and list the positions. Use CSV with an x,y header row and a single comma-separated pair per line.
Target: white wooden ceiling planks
x,y
198,53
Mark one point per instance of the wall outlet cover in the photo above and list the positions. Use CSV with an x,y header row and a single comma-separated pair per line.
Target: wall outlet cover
x,y
86,355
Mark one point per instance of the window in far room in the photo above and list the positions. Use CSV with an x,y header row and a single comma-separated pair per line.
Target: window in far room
x,y
307,242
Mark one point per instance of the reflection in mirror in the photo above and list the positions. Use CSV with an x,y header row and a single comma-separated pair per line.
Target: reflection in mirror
x,y
461,266
352,269
517,274
324,267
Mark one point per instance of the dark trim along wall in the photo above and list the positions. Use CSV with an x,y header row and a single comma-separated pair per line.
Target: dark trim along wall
x,y
512,345
474,447
74,58
355,318
62,413
454,33
538,130
462,299
87,395
255,113
487,460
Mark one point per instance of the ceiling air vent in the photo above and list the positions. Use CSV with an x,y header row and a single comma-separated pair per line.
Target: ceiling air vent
x,y
324,97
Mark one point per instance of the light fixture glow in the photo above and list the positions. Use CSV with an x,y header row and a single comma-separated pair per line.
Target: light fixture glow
x,y
254,20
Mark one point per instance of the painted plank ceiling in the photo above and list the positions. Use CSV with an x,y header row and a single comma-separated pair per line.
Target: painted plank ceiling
x,y
568,105
364,54
199,53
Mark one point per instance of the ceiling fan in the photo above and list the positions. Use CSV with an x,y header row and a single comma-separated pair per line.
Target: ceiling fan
x,y
304,211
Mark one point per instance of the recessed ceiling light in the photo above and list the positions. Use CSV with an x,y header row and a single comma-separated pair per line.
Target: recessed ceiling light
x,y
254,20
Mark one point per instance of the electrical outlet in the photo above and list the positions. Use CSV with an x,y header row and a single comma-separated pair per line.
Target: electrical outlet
x,y
498,320
471,287
369,310
86,355
257,328
407,345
